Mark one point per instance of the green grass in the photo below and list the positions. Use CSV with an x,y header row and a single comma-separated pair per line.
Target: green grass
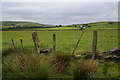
x,y
58,28
7,26
108,70
65,40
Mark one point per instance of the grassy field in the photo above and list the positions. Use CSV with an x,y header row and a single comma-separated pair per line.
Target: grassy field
x,y
28,64
20,64
66,39
58,28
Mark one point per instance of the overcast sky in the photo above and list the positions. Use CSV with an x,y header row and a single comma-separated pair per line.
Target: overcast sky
x,y
60,12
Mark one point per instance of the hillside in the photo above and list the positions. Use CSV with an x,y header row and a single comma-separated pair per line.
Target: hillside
x,y
105,25
18,25
102,25
6,25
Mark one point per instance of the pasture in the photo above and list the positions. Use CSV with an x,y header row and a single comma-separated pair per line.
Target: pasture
x,y
65,40
29,64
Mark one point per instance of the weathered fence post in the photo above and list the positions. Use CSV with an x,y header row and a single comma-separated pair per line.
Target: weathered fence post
x,y
21,44
13,44
94,44
54,43
77,43
36,41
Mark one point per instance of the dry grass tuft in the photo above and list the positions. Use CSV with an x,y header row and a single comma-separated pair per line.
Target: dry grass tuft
x,y
26,65
84,69
60,62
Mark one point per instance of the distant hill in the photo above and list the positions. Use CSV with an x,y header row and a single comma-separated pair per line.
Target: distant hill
x,y
20,25
6,25
105,25
102,25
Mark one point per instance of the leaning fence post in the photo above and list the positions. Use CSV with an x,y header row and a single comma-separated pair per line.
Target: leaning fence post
x,y
13,44
54,43
36,41
77,43
94,44
21,44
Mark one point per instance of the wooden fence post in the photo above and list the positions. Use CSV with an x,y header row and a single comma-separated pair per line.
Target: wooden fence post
x,y
13,44
21,44
77,43
54,43
36,41
94,44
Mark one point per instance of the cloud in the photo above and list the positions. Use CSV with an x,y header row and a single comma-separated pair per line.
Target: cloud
x,y
59,0
60,12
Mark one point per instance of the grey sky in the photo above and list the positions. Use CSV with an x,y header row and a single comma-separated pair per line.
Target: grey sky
x,y
60,12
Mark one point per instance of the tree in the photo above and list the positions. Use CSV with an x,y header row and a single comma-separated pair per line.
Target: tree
x,y
60,25
56,26
75,26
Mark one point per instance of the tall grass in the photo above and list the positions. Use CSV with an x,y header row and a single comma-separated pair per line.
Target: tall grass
x,y
83,69
9,51
26,65
61,62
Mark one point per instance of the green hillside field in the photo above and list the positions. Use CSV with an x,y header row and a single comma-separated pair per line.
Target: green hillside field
x,y
17,25
12,25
